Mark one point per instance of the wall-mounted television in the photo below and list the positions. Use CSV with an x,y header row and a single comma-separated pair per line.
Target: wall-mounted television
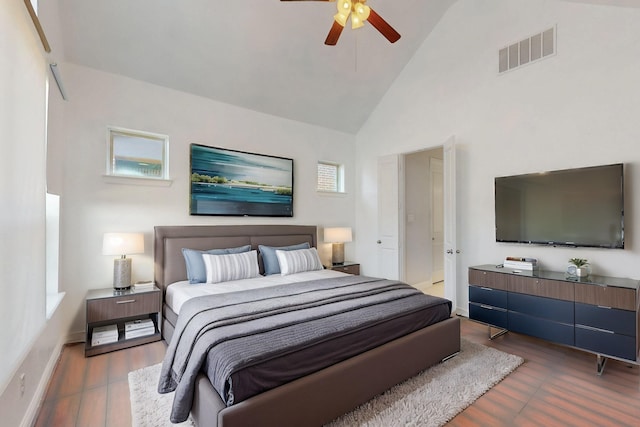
x,y
581,207
236,183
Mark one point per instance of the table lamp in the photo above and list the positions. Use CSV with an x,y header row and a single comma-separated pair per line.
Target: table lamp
x,y
122,244
337,236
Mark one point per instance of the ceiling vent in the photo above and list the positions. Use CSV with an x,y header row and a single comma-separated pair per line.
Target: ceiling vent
x,y
532,49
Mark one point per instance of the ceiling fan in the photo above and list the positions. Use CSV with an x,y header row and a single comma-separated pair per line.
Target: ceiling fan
x,y
360,13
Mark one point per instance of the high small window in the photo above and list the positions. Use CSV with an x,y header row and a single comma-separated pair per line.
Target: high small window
x,y
137,154
330,177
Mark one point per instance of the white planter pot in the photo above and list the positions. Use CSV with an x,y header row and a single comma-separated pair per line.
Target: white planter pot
x,y
582,272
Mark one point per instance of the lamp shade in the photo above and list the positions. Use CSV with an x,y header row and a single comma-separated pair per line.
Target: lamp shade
x,y
359,15
122,243
337,234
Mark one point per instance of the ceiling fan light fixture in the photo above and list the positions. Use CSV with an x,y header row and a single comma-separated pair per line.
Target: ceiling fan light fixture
x,y
356,22
344,6
360,14
362,10
341,19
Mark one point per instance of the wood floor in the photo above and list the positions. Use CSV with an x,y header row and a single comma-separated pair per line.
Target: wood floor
x,y
556,386
94,391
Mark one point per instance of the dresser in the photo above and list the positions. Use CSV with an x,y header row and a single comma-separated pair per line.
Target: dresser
x,y
108,307
346,267
598,314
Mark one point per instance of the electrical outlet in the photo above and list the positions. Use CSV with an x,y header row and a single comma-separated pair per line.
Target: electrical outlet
x,y
22,378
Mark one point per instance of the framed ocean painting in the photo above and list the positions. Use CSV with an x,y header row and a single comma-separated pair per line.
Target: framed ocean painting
x,y
236,183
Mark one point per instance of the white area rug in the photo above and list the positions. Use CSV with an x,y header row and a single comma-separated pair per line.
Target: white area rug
x,y
148,407
431,398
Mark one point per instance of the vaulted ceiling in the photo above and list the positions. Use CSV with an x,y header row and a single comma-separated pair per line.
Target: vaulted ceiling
x,y
264,55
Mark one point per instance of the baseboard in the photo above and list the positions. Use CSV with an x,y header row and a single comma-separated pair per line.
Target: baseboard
x,y
75,337
462,312
31,414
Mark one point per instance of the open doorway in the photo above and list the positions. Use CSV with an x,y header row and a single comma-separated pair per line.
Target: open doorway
x,y
423,226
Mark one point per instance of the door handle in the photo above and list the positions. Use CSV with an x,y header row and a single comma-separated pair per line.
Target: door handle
x,y
449,251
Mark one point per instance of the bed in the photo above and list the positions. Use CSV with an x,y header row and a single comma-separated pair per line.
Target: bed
x,y
311,399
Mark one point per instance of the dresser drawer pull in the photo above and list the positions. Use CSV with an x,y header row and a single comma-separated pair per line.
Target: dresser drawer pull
x,y
485,289
604,306
488,307
591,328
127,301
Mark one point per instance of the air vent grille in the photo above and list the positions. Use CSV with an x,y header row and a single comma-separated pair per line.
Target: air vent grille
x,y
534,48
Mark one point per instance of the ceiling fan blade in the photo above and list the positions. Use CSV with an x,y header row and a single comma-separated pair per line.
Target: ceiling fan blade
x,y
334,34
382,26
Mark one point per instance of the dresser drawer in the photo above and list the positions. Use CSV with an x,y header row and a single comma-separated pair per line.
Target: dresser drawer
x,y
542,328
606,342
610,319
543,308
487,314
488,279
488,296
542,287
608,296
130,305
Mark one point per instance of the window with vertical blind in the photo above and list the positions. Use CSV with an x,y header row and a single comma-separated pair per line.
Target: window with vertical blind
x,y
330,177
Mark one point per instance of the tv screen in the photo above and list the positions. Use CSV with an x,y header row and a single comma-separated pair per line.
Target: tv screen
x,y
572,207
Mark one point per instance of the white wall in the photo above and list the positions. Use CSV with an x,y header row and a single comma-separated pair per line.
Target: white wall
x,y
28,340
91,206
578,108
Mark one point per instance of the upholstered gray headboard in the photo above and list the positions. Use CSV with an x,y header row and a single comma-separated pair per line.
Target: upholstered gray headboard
x,y
169,265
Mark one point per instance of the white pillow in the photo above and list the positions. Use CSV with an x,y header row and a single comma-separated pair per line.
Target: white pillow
x,y
298,261
224,268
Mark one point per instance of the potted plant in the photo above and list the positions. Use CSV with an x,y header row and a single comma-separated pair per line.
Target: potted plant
x,y
579,267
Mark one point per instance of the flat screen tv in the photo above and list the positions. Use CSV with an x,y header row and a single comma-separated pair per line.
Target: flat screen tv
x,y
572,207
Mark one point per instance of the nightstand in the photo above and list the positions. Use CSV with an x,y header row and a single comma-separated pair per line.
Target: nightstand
x,y
111,307
346,267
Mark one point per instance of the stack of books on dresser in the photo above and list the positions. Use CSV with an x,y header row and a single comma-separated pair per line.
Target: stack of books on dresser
x,y
144,286
104,335
139,328
520,263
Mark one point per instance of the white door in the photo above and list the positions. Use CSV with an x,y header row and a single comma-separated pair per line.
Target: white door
x,y
388,217
450,242
437,219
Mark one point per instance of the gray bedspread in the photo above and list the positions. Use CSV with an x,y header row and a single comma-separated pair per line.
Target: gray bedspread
x,y
227,333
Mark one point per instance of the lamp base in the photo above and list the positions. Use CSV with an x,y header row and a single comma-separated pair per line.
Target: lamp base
x,y
337,253
122,273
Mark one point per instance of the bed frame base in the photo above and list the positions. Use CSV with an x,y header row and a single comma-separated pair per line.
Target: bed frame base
x,y
327,394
